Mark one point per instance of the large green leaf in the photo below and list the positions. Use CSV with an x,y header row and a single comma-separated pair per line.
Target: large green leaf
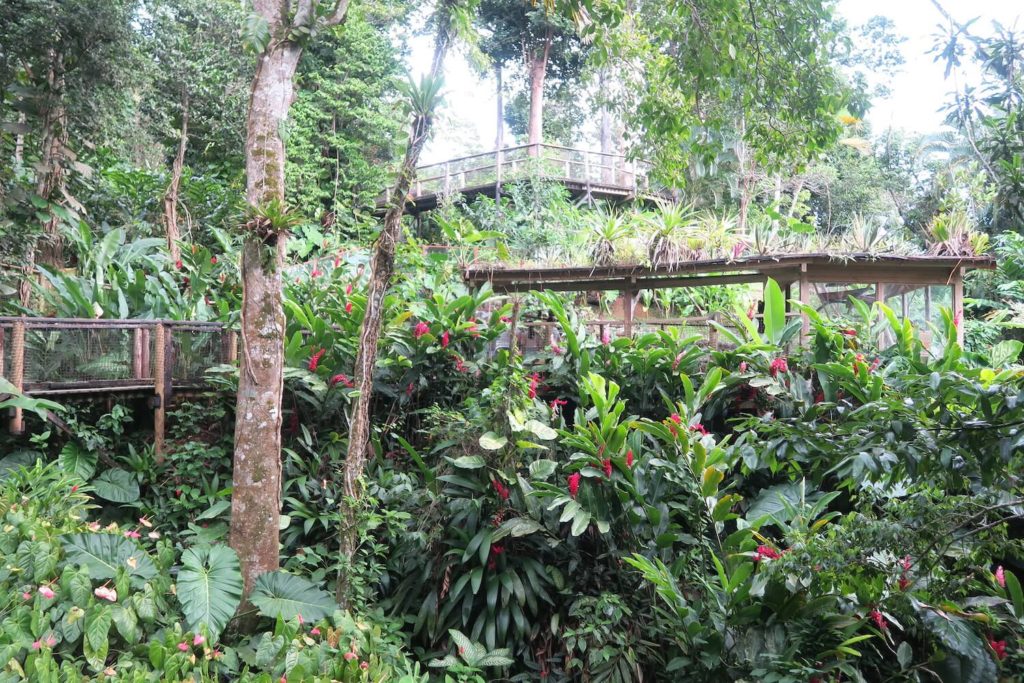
x,y
209,587
10,463
277,594
117,486
103,554
774,311
77,460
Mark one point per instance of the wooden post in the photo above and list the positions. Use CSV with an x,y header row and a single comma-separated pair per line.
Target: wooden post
x,y
712,331
927,305
18,372
137,353
805,299
231,346
958,304
883,340
160,409
513,340
628,299
2,350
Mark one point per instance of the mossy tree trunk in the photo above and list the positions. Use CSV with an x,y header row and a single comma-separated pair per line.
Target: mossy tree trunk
x,y
170,217
382,268
256,496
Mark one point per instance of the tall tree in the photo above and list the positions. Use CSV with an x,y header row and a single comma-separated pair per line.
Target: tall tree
x,y
278,33
543,39
423,98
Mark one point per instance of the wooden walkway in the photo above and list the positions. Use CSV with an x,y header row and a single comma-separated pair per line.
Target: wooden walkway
x,y
585,174
65,357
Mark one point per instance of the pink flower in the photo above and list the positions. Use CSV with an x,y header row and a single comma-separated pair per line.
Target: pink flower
x,y
778,365
903,582
557,403
421,329
74,488
46,592
132,534
500,489
906,563
343,379
314,360
348,288
409,389
198,640
606,465
629,458
850,332
213,260
675,418
998,648
534,379
26,596
314,631
1001,576
364,666
178,264
349,656
104,593
316,273
183,646
36,645
957,319
699,428
50,641
460,365
743,366
348,306
444,339
879,619
574,484
766,552
605,337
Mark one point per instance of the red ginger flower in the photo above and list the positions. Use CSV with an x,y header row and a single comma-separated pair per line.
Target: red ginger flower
x,y
606,465
460,365
743,366
879,619
1001,576
998,648
904,583
500,488
605,337
778,365
343,380
534,379
629,458
574,484
213,260
699,428
421,329
444,339
348,287
316,272
348,306
557,403
314,360
766,552
675,418
906,563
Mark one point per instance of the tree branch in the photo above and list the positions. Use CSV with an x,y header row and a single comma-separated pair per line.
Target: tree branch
x,y
338,15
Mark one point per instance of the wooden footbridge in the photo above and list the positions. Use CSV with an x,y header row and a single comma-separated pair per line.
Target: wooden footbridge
x,y
68,357
585,174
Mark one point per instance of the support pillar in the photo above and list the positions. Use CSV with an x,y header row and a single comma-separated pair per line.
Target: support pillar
x,y
805,299
628,301
159,376
957,281
18,372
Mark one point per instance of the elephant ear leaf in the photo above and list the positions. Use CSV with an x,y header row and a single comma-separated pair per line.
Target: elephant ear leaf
x,y
286,596
209,588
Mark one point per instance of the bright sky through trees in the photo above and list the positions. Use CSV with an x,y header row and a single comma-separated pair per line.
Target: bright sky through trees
x,y
917,91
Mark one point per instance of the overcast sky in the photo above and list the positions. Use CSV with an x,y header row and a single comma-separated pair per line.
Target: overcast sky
x,y
917,92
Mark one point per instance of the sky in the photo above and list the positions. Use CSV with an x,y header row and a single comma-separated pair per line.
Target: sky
x,y
918,91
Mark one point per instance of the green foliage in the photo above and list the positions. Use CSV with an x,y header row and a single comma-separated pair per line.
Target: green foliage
x,y
209,588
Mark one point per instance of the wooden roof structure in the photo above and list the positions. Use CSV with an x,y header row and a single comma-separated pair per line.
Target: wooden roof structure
x,y
897,272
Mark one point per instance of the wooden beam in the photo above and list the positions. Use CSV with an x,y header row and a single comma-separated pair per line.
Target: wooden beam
x,y
159,376
622,283
628,300
805,299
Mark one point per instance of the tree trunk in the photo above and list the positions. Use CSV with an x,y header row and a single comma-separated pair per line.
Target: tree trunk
x,y
49,184
170,217
256,496
538,71
607,139
382,267
499,137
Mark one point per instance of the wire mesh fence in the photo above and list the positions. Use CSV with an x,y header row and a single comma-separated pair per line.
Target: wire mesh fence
x,y
50,354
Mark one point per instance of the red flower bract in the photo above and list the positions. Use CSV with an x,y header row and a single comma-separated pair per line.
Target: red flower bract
x,y
629,458
998,648
444,339
766,552
606,465
213,260
343,380
421,329
879,619
574,484
534,380
1001,576
699,428
348,306
778,365
314,360
500,489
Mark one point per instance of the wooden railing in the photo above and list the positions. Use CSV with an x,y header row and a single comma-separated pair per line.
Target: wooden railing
x,y
74,356
566,164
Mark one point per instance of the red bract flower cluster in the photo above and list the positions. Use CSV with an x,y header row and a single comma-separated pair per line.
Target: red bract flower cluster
x,y
314,360
629,458
998,648
674,417
500,489
421,329
1001,576
699,428
904,580
574,484
605,337
348,306
213,260
766,552
778,365
444,339
879,619
343,380
558,403
316,273
348,287
606,465
534,380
